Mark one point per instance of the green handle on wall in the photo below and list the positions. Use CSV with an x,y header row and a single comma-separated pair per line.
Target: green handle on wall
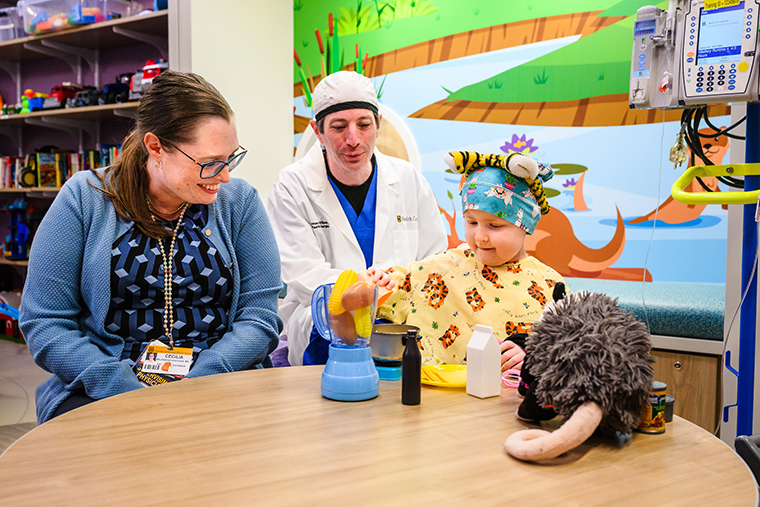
x,y
702,171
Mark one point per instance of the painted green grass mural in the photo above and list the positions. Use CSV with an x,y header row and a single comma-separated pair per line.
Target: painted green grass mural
x,y
570,73
363,19
629,7
373,15
411,24
598,64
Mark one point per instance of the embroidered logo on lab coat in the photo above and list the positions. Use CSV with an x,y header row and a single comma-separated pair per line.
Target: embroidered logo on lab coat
x,y
320,225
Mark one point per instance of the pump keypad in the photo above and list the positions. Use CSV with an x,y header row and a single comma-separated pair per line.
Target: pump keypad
x,y
718,71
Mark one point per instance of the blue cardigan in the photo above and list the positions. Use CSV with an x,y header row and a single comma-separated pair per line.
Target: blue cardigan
x,y
68,292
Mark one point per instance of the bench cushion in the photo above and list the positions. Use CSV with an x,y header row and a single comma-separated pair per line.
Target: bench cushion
x,y
686,310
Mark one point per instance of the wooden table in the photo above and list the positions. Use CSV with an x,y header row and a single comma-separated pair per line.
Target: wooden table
x,y
267,437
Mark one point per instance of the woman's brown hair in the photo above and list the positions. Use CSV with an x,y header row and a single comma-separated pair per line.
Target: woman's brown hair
x,y
172,108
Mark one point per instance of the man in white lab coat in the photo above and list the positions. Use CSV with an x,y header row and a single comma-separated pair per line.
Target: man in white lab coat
x,y
345,205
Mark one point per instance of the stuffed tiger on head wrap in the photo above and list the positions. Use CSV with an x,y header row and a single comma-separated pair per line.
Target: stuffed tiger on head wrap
x,y
467,162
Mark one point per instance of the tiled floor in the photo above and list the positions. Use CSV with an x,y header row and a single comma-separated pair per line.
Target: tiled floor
x,y
19,377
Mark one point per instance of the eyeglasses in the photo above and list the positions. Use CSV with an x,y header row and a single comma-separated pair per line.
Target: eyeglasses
x,y
214,167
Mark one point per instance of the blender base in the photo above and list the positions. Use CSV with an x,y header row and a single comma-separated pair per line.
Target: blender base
x,y
350,374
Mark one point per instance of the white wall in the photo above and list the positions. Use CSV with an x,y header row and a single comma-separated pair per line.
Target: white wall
x,y
245,49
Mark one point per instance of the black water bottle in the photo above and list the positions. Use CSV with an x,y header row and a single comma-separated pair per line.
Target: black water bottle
x,y
411,366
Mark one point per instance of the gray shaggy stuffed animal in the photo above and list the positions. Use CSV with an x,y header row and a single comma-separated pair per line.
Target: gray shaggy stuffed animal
x,y
591,362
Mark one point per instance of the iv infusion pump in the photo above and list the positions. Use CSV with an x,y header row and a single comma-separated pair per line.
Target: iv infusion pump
x,y
694,53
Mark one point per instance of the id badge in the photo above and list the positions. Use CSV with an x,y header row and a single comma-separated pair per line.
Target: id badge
x,y
159,363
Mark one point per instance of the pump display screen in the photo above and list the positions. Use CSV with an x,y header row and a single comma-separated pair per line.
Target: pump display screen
x,y
720,35
644,27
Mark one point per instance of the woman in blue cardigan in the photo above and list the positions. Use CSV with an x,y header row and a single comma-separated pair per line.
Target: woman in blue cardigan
x,y
96,293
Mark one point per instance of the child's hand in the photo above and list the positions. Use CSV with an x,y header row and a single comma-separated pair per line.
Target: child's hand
x,y
512,356
381,278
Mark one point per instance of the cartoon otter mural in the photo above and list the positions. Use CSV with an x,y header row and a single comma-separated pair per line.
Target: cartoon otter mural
x,y
674,212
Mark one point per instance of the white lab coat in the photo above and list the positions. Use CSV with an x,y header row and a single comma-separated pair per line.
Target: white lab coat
x,y
316,241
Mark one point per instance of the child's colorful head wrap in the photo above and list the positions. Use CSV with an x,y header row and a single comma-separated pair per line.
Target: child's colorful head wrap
x,y
508,186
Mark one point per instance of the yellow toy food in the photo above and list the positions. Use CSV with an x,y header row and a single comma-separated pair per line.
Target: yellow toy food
x,y
344,281
363,321
350,307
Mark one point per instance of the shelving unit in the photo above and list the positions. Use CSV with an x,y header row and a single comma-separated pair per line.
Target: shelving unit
x,y
91,55
33,191
85,52
14,263
85,42
87,113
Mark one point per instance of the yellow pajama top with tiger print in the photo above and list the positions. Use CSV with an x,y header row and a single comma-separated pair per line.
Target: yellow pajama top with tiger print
x,y
446,294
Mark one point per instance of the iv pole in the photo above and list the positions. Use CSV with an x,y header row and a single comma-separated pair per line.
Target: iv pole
x,y
748,319
750,198
745,372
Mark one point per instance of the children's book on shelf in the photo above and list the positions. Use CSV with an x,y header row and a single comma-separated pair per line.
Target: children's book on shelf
x,y
54,169
47,169
90,160
108,154
10,167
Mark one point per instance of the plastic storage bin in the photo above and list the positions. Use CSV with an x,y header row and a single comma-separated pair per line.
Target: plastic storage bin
x,y
42,16
138,6
10,24
113,9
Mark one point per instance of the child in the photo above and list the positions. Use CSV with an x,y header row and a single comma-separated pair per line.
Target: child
x,y
490,280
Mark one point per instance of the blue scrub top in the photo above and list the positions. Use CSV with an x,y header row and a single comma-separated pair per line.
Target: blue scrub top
x,y
363,224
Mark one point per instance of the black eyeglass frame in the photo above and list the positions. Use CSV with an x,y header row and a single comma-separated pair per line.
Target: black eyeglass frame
x,y
203,165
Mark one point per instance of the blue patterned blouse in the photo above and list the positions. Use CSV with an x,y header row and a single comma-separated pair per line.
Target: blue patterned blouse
x,y
201,290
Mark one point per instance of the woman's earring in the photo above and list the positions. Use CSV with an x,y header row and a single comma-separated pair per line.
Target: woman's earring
x,y
158,165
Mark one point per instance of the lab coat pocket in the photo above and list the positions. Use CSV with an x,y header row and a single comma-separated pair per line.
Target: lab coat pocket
x,y
405,243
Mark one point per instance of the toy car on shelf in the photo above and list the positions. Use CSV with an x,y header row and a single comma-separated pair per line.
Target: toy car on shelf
x,y
32,101
10,109
59,94
87,97
117,92
142,79
9,319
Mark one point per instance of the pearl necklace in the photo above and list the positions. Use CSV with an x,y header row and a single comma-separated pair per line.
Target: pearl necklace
x,y
168,305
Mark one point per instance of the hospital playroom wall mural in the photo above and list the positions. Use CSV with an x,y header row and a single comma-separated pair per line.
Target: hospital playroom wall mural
x,y
543,78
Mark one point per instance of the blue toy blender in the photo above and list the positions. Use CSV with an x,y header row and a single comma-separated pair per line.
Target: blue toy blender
x,y
350,373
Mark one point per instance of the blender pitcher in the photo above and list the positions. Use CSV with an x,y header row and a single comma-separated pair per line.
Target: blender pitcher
x,y
350,373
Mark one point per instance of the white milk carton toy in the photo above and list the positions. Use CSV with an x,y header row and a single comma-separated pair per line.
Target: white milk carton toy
x,y
483,363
